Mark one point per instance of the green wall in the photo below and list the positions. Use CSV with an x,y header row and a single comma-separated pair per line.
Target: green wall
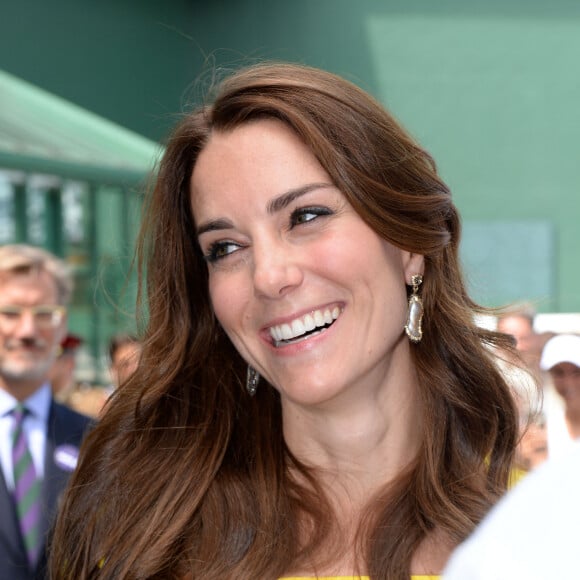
x,y
490,88
127,60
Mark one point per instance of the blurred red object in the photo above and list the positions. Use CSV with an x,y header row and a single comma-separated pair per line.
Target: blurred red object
x,y
71,342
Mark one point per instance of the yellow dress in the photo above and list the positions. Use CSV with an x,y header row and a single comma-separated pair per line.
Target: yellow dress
x,y
421,577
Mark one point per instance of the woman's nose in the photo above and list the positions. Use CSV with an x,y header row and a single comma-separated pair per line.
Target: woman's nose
x,y
276,269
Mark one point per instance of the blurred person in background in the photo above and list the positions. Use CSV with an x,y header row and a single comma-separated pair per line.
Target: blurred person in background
x,y
124,355
561,360
80,396
518,322
533,399
532,449
62,373
124,352
39,438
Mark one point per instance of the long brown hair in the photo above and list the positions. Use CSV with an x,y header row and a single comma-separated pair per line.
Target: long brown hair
x,y
185,473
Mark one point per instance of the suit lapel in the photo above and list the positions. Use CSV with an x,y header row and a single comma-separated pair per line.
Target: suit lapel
x,y
59,459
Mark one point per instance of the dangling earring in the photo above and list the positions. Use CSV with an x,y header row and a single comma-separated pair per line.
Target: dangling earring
x,y
415,312
252,380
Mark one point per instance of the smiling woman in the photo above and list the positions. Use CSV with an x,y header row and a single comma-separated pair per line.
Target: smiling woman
x,y
313,398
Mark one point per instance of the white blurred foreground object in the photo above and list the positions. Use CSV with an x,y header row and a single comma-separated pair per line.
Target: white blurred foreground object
x,y
561,349
560,323
532,533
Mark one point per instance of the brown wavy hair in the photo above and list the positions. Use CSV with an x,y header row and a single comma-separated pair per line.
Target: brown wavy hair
x,y
186,476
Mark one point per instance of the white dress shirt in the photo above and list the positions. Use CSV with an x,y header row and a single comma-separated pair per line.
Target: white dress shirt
x,y
35,428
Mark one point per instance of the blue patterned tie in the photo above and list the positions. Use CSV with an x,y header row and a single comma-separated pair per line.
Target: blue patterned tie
x,y
26,487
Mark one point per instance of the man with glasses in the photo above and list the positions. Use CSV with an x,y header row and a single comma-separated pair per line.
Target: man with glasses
x,y
39,438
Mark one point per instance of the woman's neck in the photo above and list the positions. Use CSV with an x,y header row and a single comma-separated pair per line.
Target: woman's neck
x,y
355,445
360,443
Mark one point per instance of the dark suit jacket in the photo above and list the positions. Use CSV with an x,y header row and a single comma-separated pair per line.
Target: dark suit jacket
x,y
65,433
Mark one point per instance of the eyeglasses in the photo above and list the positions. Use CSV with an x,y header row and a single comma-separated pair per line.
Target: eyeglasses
x,y
45,316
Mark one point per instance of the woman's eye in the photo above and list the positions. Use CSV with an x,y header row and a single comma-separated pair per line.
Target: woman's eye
x,y
307,214
219,250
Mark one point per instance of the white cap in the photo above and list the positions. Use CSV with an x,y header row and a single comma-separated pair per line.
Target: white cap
x,y
562,348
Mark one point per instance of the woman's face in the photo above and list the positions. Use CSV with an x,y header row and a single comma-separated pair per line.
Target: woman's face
x,y
311,296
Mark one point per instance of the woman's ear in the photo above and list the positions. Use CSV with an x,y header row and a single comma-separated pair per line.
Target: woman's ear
x,y
413,264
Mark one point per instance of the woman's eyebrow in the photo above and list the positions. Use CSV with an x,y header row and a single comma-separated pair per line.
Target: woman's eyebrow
x,y
219,224
274,205
279,203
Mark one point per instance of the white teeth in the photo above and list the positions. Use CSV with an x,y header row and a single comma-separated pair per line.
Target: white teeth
x,y
298,327
307,323
285,332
